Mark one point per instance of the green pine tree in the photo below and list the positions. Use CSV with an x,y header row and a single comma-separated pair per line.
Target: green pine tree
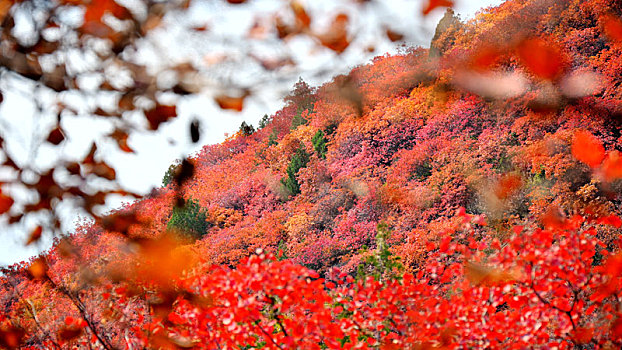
x,y
299,160
319,144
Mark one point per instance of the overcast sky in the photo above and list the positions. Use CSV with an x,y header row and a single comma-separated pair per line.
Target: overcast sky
x,y
155,151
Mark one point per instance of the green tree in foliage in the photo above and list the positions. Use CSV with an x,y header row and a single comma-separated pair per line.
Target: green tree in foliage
x,y
246,129
299,160
190,219
264,121
169,175
382,264
298,120
303,97
319,144
272,139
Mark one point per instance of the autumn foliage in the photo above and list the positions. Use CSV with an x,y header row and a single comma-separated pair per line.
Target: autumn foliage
x,y
468,198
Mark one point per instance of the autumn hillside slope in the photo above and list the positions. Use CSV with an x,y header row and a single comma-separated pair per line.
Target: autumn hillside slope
x,y
465,196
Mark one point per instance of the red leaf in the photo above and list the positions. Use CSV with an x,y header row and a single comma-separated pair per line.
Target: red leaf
x,y
485,58
90,157
6,203
230,102
11,337
160,114
69,320
611,220
432,4
612,27
616,329
544,59
121,137
38,269
336,38
302,17
553,219
93,24
508,185
583,335
393,35
69,333
612,166
34,235
444,246
587,148
97,8
56,136
613,265
104,170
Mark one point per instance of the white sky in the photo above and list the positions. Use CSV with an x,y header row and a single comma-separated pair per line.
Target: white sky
x,y
155,151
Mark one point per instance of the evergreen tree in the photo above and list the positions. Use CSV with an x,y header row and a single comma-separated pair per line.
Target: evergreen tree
x,y
319,144
264,121
190,219
246,129
299,160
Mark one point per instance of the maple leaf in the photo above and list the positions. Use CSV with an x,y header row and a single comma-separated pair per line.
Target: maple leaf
x,y
393,35
336,37
433,4
102,169
230,102
587,148
121,137
94,13
612,166
11,337
38,268
160,114
35,235
56,136
6,203
544,58
480,274
508,185
484,58
612,26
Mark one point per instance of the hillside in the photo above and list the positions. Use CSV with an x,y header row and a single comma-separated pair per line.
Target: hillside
x,y
465,196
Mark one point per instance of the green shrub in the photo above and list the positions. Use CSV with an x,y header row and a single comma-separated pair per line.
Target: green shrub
x,y
382,264
190,219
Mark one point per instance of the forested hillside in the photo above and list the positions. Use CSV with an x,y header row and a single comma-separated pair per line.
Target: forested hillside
x,y
463,196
